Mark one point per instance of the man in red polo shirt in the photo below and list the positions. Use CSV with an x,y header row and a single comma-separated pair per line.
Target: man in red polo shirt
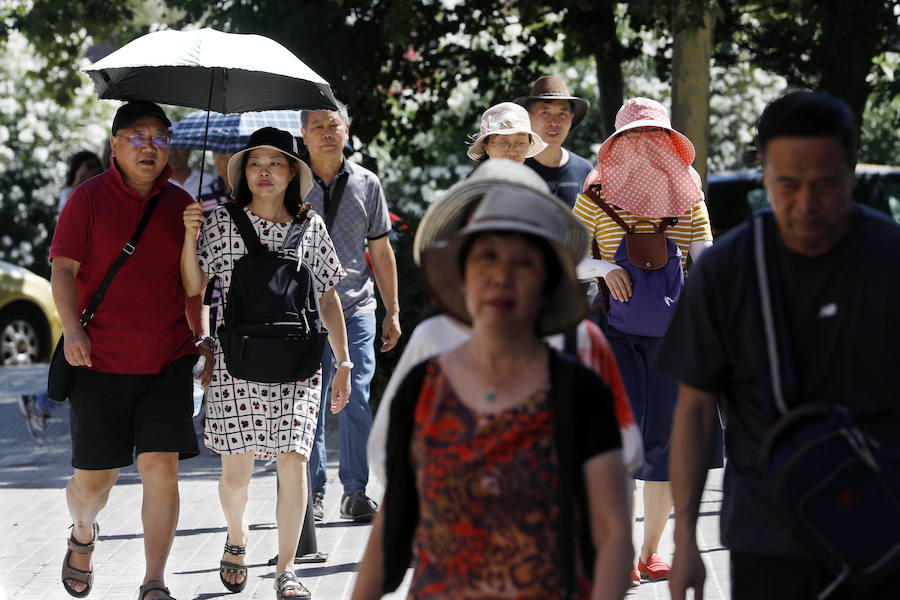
x,y
133,394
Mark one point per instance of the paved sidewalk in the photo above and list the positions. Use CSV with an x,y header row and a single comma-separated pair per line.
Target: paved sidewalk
x,y
34,521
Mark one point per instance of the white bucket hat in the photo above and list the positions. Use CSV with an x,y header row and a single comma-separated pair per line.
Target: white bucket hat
x,y
506,118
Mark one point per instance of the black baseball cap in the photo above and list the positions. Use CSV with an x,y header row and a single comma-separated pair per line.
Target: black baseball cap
x,y
134,110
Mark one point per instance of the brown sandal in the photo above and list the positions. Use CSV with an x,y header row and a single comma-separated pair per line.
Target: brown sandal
x,y
70,573
151,586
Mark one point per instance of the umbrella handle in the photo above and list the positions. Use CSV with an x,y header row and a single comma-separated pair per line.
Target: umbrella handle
x,y
205,136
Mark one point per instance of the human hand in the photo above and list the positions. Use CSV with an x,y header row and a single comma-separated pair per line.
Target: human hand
x,y
207,353
619,283
340,389
77,348
390,331
687,572
193,220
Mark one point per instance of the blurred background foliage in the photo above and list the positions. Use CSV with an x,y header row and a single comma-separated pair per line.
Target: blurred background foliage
x,y
418,73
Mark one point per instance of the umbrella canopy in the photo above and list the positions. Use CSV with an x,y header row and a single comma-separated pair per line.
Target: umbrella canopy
x,y
229,133
212,70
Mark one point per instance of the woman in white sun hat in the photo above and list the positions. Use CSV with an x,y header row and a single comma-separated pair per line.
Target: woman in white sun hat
x,y
505,133
644,174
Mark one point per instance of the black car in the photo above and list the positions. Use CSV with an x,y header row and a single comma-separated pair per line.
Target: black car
x,y
731,197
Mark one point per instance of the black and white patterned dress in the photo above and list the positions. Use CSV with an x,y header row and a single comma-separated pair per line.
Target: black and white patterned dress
x,y
245,416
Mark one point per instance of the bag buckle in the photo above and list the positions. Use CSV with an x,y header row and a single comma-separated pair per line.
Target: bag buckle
x,y
128,249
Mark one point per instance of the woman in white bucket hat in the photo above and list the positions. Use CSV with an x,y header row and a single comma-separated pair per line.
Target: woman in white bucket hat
x,y
505,133
466,488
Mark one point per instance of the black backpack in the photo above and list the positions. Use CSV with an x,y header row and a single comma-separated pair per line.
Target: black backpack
x,y
272,332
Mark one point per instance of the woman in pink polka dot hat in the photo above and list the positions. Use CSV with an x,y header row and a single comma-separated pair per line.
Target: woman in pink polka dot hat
x,y
644,173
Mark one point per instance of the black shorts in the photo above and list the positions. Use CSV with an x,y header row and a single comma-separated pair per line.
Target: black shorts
x,y
114,415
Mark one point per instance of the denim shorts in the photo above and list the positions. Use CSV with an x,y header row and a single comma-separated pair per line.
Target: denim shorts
x,y
115,416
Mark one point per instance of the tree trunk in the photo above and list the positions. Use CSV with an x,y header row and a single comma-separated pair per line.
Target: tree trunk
x,y
607,52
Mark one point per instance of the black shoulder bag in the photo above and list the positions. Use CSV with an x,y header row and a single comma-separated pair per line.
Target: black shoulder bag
x,y
62,374
827,476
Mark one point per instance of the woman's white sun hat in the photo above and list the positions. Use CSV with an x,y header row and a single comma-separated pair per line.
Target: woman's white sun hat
x,y
506,118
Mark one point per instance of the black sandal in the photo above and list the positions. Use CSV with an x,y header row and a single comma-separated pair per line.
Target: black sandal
x,y
152,586
226,567
288,581
70,573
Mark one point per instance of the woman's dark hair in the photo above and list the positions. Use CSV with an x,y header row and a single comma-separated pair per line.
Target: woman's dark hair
x,y
76,160
809,114
551,262
292,201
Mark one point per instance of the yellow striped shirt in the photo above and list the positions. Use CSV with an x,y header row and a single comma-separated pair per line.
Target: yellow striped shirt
x,y
692,226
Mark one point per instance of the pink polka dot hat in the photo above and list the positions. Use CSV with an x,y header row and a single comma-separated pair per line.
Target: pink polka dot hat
x,y
649,176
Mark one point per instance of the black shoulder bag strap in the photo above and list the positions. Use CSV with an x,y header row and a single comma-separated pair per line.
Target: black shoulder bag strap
x,y
335,199
88,312
561,376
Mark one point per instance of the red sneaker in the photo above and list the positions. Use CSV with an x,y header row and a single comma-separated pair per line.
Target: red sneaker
x,y
635,576
654,568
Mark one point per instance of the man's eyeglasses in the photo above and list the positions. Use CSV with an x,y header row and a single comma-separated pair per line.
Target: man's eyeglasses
x,y
653,132
139,141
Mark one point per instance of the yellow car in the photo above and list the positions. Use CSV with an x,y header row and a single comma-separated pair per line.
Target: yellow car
x,y
29,324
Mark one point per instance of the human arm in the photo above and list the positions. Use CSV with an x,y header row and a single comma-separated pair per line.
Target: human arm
x,y
198,320
384,266
370,574
693,429
604,475
333,317
192,277
77,344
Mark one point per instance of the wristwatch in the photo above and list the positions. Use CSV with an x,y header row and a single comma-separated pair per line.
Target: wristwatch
x,y
200,338
343,363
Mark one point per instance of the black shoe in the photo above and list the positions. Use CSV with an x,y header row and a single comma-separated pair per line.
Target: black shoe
x,y
359,507
318,509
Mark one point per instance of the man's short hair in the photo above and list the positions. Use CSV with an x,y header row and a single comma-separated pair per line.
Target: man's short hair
x,y
341,109
809,114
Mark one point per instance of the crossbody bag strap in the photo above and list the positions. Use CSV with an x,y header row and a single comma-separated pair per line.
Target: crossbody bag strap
x,y
335,199
88,313
592,194
244,227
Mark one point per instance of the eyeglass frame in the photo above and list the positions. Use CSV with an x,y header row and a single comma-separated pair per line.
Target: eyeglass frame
x,y
509,145
153,140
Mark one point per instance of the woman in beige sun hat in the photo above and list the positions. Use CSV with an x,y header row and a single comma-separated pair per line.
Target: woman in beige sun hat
x,y
505,133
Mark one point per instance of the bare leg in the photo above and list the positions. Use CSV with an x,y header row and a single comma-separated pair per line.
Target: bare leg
x,y
86,494
237,469
159,510
657,507
291,508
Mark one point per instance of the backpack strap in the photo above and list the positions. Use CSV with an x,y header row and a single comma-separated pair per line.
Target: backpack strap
x,y
334,201
294,236
245,228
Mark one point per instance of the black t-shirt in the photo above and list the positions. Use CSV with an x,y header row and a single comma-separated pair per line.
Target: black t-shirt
x,y
843,310
566,181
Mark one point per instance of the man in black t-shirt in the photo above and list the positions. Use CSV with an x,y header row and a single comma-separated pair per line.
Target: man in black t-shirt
x,y
554,112
837,264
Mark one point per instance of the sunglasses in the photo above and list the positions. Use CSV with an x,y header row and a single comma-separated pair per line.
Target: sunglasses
x,y
139,141
653,132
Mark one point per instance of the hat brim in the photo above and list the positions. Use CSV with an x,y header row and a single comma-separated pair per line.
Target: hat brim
x,y
448,215
566,305
683,146
234,168
579,105
536,145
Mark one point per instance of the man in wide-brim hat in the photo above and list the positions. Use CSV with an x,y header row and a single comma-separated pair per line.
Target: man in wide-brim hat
x,y
554,112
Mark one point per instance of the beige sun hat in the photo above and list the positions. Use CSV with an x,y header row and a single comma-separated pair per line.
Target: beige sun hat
x,y
506,118
275,139
448,214
510,207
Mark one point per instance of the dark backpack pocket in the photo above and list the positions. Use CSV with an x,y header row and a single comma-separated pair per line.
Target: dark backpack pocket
x,y
271,352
